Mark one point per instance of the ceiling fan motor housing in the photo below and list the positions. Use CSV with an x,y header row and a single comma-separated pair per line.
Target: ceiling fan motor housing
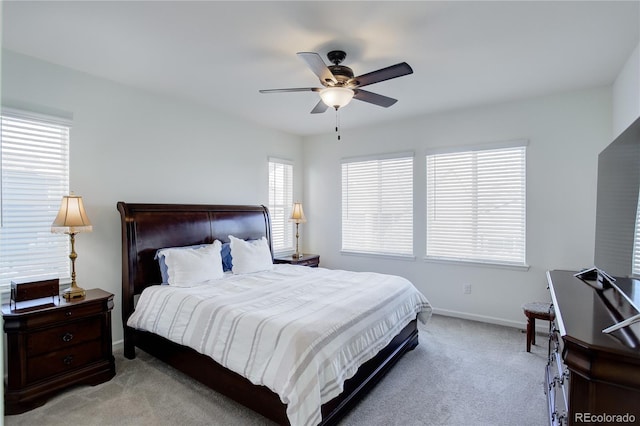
x,y
341,73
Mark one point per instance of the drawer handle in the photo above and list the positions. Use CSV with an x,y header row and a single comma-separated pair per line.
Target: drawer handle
x,y
68,313
67,337
68,360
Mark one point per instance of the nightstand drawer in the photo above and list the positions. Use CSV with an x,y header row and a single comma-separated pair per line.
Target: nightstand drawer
x,y
64,336
66,313
52,363
311,262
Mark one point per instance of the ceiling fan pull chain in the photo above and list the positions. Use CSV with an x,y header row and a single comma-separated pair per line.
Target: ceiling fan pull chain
x,y
337,124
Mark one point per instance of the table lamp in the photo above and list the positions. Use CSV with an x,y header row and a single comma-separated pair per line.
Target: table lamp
x,y
297,216
72,219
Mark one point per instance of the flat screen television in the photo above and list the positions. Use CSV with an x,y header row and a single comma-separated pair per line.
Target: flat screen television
x,y
617,203
616,217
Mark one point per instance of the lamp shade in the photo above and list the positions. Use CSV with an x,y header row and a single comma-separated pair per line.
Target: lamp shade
x,y
72,217
297,214
336,97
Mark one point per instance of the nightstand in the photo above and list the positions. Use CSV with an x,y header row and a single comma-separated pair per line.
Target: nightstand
x,y
312,260
52,347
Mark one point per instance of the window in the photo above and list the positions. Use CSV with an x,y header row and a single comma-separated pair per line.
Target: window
x,y
377,205
476,205
280,202
35,177
635,268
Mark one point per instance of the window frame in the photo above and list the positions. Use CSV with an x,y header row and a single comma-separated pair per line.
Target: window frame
x,y
285,206
48,253
378,240
476,259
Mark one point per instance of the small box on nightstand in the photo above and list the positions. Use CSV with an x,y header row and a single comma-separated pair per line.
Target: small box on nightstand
x,y
22,291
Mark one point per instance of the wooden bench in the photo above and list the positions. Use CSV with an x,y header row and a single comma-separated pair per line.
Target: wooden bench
x,y
533,311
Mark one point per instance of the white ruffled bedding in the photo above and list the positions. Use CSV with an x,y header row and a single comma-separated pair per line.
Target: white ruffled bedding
x,y
299,331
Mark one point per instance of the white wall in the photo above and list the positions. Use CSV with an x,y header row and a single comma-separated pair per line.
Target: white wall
x,y
626,94
565,133
133,146
136,146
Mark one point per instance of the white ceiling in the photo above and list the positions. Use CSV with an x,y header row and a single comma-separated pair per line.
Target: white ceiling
x,y
221,53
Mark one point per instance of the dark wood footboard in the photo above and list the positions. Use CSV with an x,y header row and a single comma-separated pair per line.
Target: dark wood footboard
x,y
370,373
260,398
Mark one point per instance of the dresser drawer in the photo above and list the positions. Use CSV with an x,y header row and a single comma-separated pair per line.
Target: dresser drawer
x,y
64,360
64,336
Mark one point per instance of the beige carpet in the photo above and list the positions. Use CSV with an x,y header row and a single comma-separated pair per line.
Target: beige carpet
x,y
462,373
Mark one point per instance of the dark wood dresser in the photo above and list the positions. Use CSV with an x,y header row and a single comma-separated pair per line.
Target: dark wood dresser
x,y
592,377
50,348
311,260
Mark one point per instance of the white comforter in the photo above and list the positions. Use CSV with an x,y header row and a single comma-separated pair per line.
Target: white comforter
x,y
299,331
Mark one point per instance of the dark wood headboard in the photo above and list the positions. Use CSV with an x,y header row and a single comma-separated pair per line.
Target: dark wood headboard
x,y
149,227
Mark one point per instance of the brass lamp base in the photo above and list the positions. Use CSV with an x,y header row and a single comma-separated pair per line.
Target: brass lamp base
x,y
74,292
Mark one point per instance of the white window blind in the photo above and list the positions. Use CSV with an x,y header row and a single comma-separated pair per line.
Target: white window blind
x,y
280,202
476,205
377,205
635,268
35,177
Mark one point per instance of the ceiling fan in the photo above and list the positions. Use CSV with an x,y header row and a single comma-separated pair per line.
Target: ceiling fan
x,y
340,85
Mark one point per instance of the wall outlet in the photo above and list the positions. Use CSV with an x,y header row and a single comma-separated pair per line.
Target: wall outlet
x,y
466,288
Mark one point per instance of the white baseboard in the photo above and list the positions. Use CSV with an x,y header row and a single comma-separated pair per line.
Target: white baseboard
x,y
117,345
541,326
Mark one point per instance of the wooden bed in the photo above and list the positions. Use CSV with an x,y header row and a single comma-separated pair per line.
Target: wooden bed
x,y
149,227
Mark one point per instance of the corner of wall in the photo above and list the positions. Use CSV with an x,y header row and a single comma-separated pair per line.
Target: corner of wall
x,y
626,94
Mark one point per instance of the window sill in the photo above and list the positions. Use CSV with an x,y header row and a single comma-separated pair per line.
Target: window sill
x,y
463,262
404,257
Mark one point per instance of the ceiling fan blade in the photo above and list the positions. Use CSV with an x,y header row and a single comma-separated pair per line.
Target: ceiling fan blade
x,y
373,98
299,89
317,65
394,71
319,108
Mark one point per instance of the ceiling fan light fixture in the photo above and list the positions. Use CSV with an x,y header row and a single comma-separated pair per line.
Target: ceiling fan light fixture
x,y
336,97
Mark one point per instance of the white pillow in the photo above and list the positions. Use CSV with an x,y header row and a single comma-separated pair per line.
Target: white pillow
x,y
250,256
187,268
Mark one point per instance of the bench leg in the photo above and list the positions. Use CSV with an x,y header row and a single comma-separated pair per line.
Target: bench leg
x,y
529,330
533,331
